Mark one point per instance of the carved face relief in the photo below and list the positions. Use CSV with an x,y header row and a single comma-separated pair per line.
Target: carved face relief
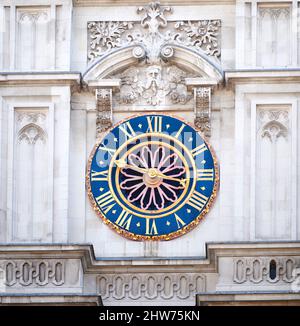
x,y
155,85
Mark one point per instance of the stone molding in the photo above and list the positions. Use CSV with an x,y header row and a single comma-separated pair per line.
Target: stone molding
x,y
266,76
88,3
121,280
40,78
279,298
152,286
51,300
206,264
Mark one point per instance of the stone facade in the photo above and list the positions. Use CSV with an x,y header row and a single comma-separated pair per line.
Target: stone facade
x,y
71,69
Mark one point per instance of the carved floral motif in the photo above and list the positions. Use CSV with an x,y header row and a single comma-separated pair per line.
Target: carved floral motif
x,y
154,32
105,36
201,35
159,192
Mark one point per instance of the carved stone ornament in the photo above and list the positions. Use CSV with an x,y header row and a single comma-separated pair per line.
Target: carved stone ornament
x,y
150,286
104,110
274,12
202,98
31,126
257,269
155,33
274,124
33,272
153,85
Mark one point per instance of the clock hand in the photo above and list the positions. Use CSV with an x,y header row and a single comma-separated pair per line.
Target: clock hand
x,y
152,172
181,181
122,164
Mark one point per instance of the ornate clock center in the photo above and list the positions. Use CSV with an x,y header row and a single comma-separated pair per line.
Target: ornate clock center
x,y
151,178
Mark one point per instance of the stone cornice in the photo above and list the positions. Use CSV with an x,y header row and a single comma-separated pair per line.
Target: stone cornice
x,y
252,298
50,299
92,265
29,78
110,3
261,76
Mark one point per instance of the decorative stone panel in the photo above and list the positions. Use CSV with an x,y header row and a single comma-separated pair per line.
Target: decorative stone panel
x,y
34,272
40,275
150,286
257,269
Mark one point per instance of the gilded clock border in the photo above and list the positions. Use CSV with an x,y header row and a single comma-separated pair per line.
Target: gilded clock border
x,y
165,237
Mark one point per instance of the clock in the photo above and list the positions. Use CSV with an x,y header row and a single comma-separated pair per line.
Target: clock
x,y
152,177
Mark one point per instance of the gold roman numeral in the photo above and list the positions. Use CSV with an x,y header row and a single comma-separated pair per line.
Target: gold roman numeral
x,y
198,150
179,221
205,174
151,228
197,200
180,131
154,124
110,151
124,220
128,130
106,201
99,176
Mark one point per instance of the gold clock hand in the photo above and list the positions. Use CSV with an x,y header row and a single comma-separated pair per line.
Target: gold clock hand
x,y
181,181
122,164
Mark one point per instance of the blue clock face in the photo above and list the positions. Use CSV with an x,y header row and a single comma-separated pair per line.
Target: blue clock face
x,y
152,177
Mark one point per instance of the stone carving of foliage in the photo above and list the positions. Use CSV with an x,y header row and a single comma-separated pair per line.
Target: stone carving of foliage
x,y
105,36
202,34
154,32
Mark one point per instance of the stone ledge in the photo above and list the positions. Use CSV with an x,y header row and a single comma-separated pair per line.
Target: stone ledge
x,y
88,3
92,264
50,77
243,267
248,298
49,299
